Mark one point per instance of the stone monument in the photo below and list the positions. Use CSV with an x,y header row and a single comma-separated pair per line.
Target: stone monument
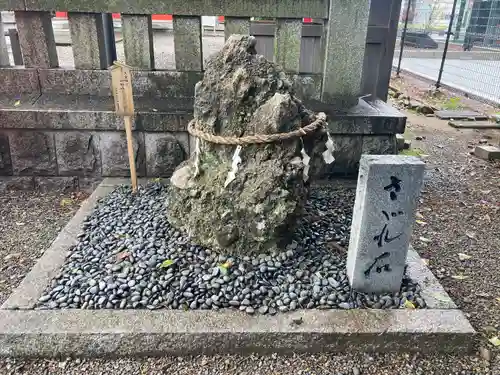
x,y
384,213
244,186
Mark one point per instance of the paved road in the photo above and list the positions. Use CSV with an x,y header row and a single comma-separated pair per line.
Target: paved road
x,y
477,77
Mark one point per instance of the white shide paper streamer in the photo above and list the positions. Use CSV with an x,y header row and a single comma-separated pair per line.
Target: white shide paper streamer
x,y
231,175
330,148
305,160
196,157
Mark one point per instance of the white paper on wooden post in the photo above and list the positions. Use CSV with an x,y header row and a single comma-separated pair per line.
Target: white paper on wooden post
x,y
121,82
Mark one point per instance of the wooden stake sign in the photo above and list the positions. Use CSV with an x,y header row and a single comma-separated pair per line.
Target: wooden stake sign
x,y
121,82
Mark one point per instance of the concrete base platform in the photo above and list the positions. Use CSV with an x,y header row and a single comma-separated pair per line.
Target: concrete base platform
x,y
487,152
25,331
87,333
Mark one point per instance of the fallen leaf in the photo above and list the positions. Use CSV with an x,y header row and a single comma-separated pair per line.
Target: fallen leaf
x,y
425,261
463,256
227,265
421,222
223,270
489,329
423,239
419,215
123,255
471,235
157,179
485,353
483,295
62,364
166,263
495,341
19,223
17,103
409,305
459,277
13,255
498,299
65,202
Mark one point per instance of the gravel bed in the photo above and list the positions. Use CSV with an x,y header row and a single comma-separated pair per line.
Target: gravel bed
x,y
322,364
128,256
458,229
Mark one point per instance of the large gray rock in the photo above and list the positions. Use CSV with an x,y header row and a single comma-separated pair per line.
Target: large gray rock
x,y
242,94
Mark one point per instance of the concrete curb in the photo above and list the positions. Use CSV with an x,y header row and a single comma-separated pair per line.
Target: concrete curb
x,y
136,333
432,291
452,55
53,333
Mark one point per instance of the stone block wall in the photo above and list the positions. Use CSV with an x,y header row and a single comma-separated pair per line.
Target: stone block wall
x,y
68,156
58,127
81,153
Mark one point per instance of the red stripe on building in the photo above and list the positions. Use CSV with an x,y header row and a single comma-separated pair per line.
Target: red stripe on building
x,y
116,16
157,17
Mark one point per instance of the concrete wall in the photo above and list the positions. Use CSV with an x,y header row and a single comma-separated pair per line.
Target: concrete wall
x,y
58,125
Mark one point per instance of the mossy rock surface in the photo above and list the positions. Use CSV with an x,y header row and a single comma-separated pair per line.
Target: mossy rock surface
x,y
242,94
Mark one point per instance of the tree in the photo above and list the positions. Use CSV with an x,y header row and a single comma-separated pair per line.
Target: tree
x,y
411,11
435,13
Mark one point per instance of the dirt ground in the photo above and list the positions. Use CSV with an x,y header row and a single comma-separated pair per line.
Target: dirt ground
x,y
426,93
458,232
29,222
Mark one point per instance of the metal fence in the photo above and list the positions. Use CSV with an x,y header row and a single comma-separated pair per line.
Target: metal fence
x,y
453,43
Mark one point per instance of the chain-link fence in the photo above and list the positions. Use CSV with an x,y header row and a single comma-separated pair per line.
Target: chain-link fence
x,y
453,43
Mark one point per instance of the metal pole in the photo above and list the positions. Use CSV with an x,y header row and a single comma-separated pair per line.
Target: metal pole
x,y
108,45
16,47
403,35
438,82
